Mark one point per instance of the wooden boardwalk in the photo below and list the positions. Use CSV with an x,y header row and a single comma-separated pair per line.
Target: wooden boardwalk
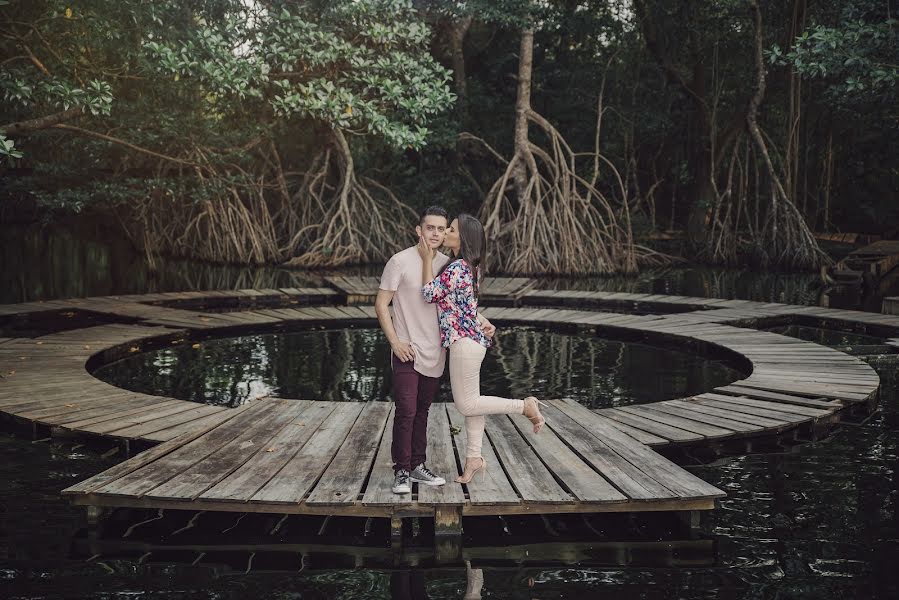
x,y
891,305
292,456
364,290
878,258
306,457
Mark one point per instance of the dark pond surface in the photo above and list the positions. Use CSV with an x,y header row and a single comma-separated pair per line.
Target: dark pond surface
x,y
353,365
43,262
820,520
817,520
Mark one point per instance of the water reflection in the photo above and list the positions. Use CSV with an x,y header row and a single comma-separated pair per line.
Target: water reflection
x,y
353,365
816,522
44,263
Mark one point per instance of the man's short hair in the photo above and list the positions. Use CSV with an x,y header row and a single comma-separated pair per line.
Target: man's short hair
x,y
433,211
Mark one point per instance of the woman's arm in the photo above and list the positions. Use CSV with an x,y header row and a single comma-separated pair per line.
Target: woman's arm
x,y
427,261
439,287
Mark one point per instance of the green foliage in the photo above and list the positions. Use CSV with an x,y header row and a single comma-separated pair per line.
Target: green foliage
x,y
8,149
856,57
362,66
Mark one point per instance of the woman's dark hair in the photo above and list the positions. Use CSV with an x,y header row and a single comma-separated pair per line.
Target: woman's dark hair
x,y
473,248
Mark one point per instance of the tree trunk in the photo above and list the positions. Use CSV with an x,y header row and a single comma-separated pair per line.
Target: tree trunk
x,y
457,32
522,108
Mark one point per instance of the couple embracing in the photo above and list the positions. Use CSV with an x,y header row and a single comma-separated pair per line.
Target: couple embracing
x,y
435,308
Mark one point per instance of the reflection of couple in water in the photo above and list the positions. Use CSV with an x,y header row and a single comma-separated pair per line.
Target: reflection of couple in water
x,y
410,585
435,307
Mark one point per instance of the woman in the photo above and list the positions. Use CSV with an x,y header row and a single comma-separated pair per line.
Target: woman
x,y
456,291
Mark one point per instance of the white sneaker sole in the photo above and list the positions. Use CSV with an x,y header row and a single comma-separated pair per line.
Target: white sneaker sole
x,y
432,483
407,490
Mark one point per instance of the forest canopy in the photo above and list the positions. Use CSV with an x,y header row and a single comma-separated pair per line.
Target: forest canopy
x,y
310,133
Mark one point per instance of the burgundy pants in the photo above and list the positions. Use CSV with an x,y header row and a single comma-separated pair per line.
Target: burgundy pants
x,y
413,394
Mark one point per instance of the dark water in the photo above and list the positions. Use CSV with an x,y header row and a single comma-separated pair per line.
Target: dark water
x,y
353,365
820,520
55,261
817,520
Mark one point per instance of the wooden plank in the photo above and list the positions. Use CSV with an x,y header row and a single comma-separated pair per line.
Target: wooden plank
x,y
625,476
138,482
298,476
705,430
737,407
342,481
785,398
199,477
441,460
169,433
804,388
378,492
147,457
110,426
695,412
154,425
131,412
638,434
244,482
665,472
527,473
578,477
761,422
490,486
784,408
673,434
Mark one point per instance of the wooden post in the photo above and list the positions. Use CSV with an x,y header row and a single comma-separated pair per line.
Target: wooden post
x,y
447,534
396,532
448,520
690,520
94,513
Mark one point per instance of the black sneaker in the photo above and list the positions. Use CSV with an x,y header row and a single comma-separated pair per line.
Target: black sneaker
x,y
422,474
401,482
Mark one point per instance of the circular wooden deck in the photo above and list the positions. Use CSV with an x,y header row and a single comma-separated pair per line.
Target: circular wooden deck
x,y
284,456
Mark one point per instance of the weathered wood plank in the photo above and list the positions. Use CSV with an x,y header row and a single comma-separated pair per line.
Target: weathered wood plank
x,y
577,476
441,459
199,477
665,472
138,482
342,481
297,477
378,492
147,457
245,481
527,473
490,486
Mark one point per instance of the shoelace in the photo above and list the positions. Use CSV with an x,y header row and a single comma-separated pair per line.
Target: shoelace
x,y
427,471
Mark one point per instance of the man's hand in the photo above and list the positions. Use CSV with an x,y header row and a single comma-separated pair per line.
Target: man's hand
x,y
487,327
403,351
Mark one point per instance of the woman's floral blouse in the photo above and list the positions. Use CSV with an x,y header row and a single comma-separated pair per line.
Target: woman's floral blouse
x,y
457,307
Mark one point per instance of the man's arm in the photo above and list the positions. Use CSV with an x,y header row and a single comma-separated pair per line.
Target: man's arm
x,y
402,350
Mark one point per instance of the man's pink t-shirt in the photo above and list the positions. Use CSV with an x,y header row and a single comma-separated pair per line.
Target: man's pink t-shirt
x,y
414,319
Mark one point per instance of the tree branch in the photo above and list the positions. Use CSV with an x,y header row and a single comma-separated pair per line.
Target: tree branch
x,y
123,143
22,127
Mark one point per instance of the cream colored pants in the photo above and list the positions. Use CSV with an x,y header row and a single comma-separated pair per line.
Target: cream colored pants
x,y
466,356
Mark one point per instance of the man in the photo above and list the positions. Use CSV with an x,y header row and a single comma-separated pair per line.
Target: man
x,y
417,358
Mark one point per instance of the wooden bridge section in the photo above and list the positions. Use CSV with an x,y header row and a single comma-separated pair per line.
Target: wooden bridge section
x,y
313,457
878,258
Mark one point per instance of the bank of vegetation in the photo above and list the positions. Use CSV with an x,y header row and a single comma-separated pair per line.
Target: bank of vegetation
x,y
310,133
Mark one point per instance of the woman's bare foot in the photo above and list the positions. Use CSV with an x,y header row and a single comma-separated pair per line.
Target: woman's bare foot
x,y
532,412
